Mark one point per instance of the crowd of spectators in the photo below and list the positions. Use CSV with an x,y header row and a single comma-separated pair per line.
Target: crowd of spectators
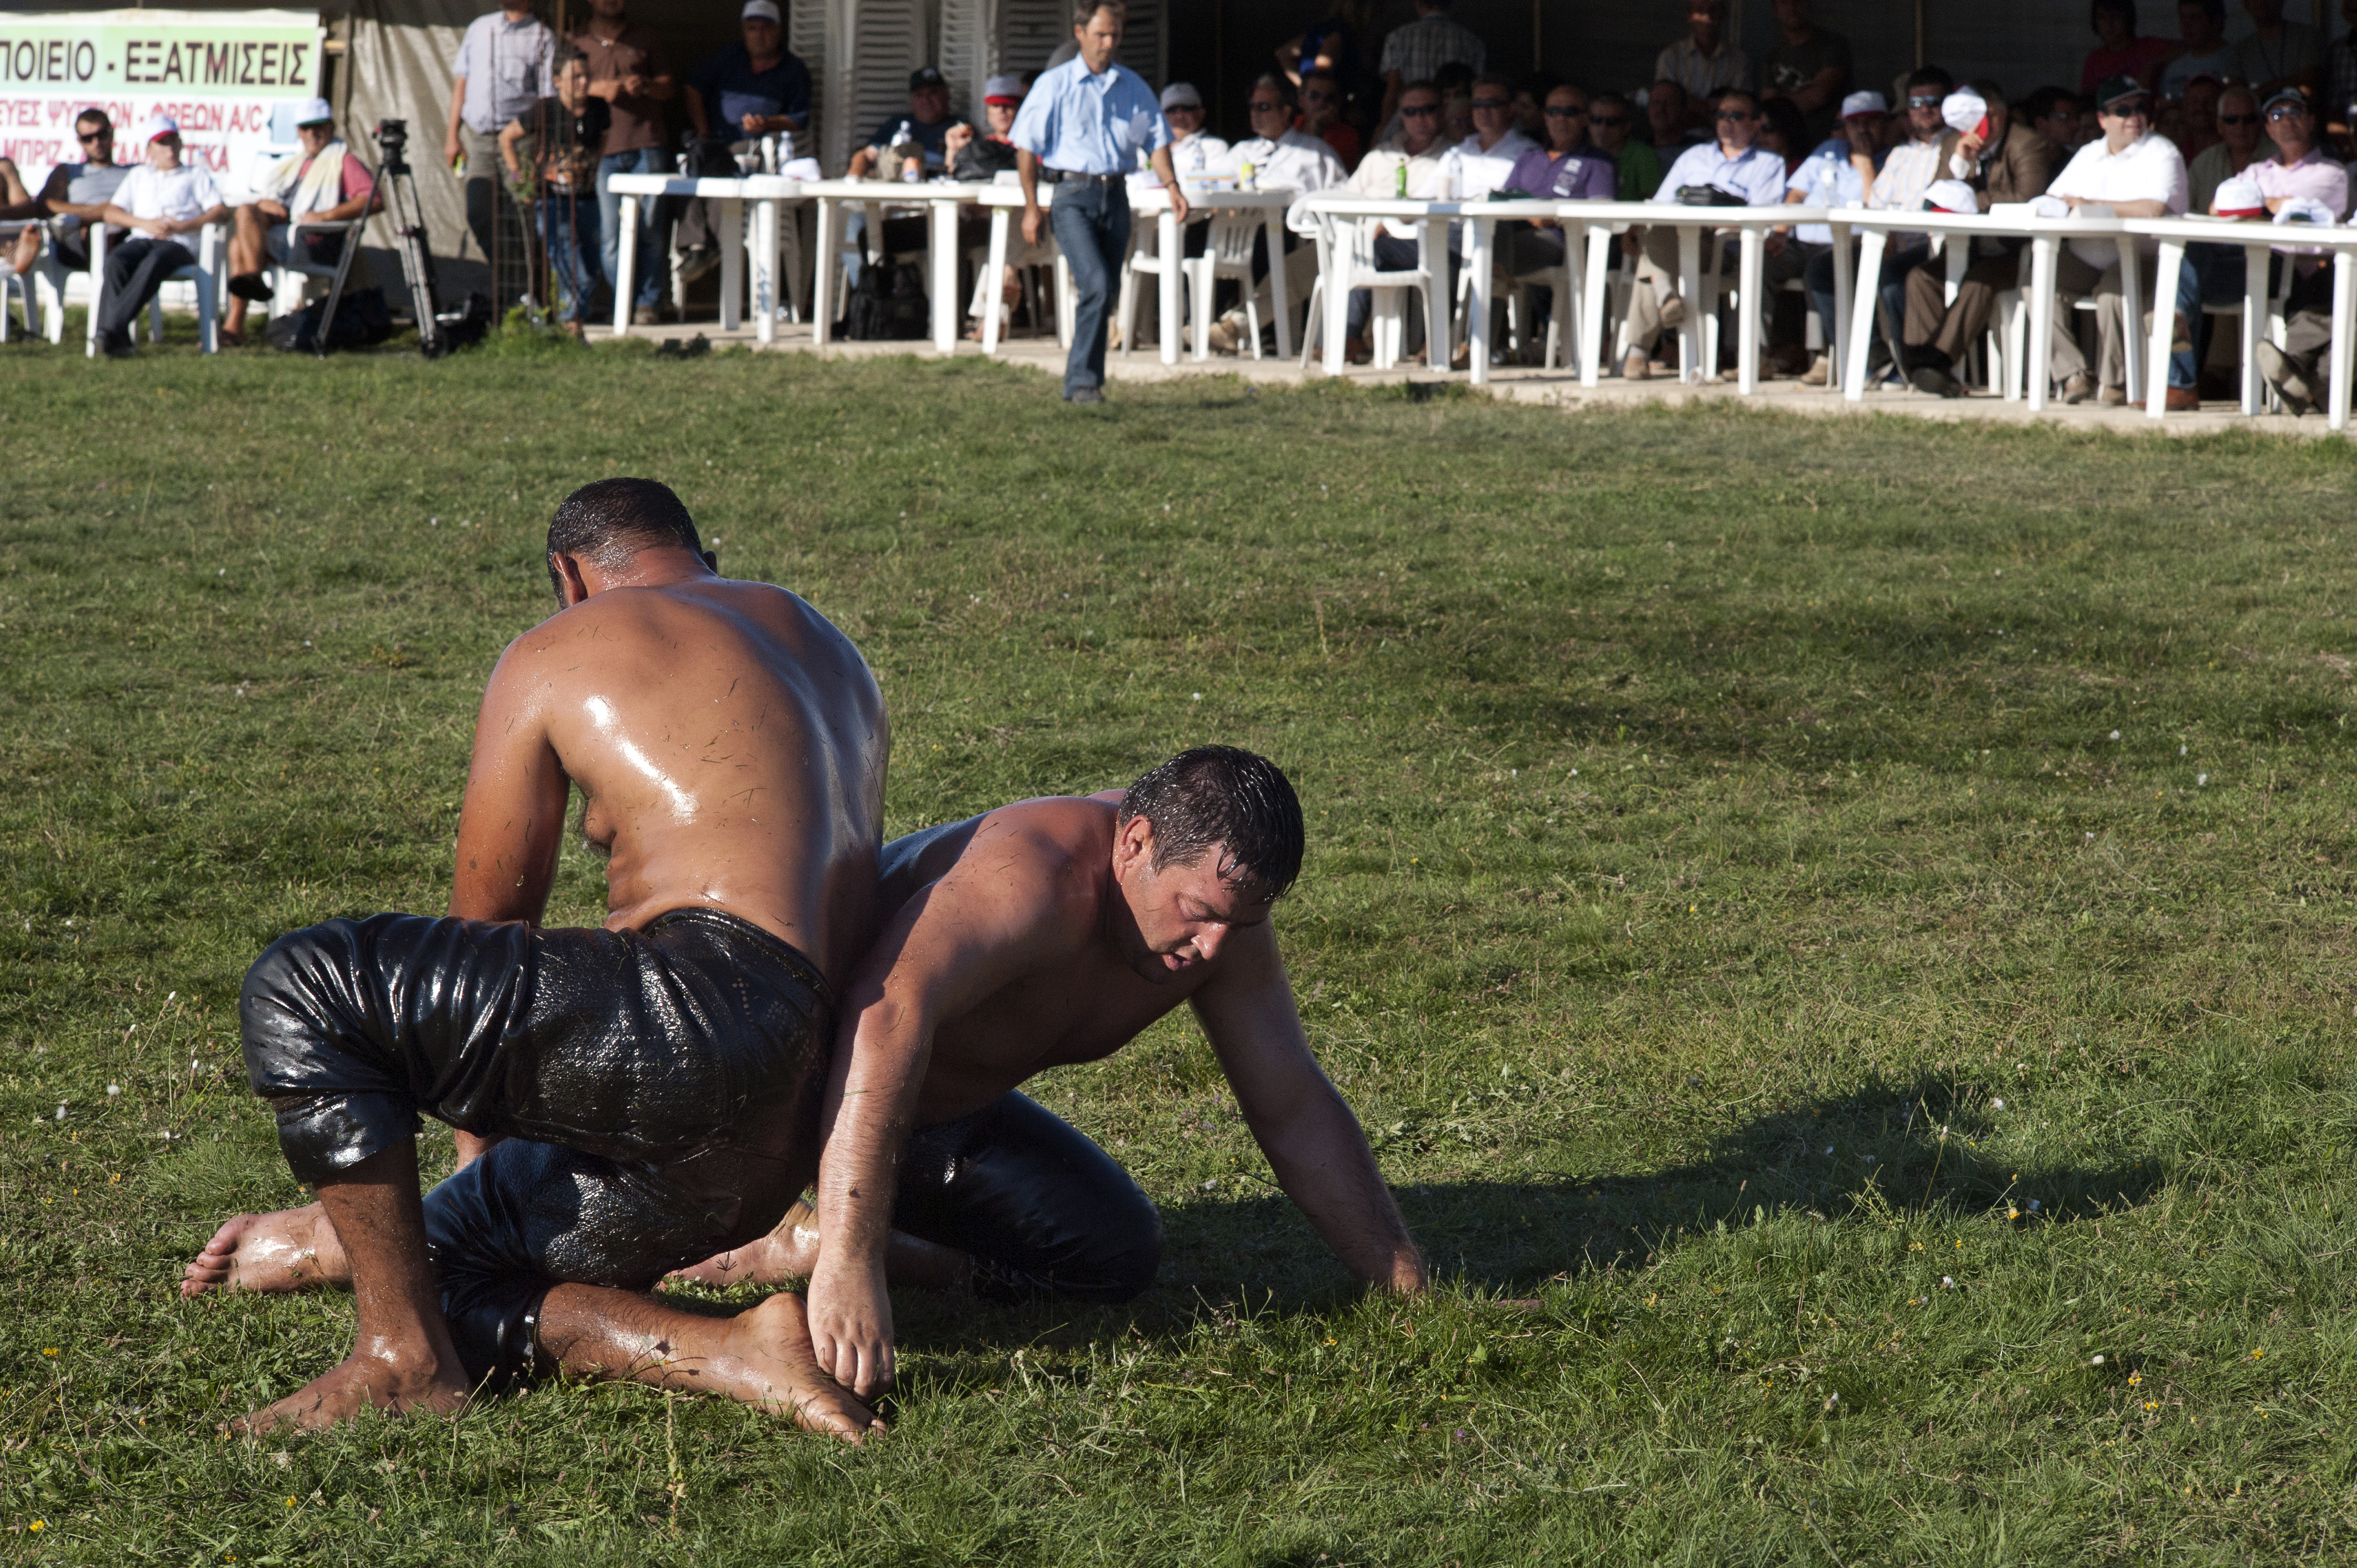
x,y
2155,124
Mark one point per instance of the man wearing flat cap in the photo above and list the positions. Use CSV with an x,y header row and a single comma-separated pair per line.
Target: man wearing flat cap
x,y
929,122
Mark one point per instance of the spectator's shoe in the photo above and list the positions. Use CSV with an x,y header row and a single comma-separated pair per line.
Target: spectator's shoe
x,y
227,338
1788,358
2078,389
1086,395
1634,368
117,345
1224,337
1820,372
1356,352
2181,335
251,286
646,315
1673,313
2113,397
1935,380
697,261
2283,373
2219,386
2182,400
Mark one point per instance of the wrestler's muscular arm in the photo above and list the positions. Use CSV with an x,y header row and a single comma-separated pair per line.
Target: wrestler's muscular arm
x,y
1312,1139
1000,912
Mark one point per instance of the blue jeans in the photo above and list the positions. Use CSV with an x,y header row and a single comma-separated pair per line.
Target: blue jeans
x,y
1897,261
652,270
569,227
1091,222
2212,274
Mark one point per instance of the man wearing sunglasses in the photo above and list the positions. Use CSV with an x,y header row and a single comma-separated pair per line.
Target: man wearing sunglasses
x,y
1282,158
2298,183
1734,164
2004,162
1412,162
1898,186
1611,121
2135,174
1321,115
2210,276
74,194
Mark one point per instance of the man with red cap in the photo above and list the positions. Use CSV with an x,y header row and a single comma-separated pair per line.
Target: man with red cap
x,y
160,201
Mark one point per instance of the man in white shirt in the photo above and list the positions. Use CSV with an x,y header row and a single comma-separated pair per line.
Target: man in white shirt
x,y
1280,158
1733,166
1413,165
505,65
1194,151
1906,171
2132,173
159,202
1837,174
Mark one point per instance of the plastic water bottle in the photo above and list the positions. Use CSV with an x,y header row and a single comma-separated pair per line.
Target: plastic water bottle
x,y
785,147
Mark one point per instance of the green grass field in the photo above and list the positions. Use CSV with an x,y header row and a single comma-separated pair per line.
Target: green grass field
x,y
1851,916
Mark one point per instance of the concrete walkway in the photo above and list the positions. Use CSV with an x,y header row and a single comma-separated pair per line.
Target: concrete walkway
x,y
1559,389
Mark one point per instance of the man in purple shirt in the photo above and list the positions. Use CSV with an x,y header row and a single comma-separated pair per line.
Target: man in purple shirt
x,y
1565,168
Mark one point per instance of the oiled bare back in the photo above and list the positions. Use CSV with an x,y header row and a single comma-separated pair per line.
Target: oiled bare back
x,y
730,745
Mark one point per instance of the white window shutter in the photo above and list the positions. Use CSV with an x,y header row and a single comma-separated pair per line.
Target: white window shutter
x,y
870,48
806,37
1146,40
964,60
1024,32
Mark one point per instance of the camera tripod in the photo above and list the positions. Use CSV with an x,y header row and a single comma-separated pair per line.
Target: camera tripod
x,y
439,331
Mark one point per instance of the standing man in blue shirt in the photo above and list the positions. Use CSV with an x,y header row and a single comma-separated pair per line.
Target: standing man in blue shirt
x,y
1087,119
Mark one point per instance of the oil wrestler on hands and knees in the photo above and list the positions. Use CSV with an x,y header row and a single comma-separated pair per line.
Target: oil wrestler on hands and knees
x,y
639,1095
1044,933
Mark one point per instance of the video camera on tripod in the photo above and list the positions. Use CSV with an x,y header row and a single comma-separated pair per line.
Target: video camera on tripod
x,y
439,331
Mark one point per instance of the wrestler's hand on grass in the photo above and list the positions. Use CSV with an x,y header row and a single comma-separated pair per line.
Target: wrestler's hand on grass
x,y
851,1325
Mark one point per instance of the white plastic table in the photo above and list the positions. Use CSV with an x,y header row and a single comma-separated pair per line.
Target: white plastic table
x,y
2045,235
767,192
941,198
2255,238
1202,202
1431,219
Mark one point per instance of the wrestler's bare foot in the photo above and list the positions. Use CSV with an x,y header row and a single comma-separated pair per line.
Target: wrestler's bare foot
x,y
764,1358
294,1249
383,1382
784,1255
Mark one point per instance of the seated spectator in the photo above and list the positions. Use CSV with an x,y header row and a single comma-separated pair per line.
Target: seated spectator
x,y
2340,104
2279,54
160,200
2198,118
753,88
1668,122
2202,49
2053,114
2135,173
2242,140
1420,50
1809,68
1897,187
985,155
925,128
1420,151
2010,163
1457,112
1784,133
1702,61
1611,121
1565,169
1835,174
1193,150
72,197
1321,116
1735,164
1530,103
324,182
2295,179
2118,51
1486,159
1282,158
566,130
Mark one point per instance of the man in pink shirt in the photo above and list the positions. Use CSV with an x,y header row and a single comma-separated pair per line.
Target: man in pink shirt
x,y
2299,183
324,183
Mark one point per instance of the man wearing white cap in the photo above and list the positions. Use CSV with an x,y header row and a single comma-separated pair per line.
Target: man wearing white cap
x,y
1835,174
1192,149
160,200
2299,185
747,90
503,67
2000,161
324,183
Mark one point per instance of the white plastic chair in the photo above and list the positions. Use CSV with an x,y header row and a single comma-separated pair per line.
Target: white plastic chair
x,y
22,283
1227,253
1145,257
1388,325
206,274
290,279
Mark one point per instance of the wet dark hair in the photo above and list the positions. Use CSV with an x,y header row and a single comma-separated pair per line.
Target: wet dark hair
x,y
1222,795
610,521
